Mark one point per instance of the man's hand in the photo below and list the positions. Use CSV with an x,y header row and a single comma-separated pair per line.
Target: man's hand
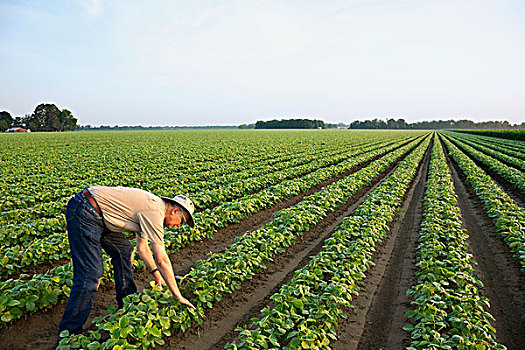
x,y
163,263
159,280
186,302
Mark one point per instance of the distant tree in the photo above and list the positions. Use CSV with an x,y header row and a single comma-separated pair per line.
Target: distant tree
x,y
402,124
3,125
48,117
289,124
433,125
6,121
68,121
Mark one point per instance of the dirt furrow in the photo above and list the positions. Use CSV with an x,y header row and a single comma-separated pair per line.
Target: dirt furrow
x,y
237,309
378,315
40,330
45,266
504,283
500,181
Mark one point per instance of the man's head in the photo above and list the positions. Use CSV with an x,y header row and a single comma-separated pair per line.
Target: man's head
x,y
179,210
174,216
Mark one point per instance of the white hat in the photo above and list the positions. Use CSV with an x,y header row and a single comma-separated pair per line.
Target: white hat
x,y
186,204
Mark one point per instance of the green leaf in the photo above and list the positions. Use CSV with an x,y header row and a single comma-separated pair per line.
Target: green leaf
x,y
165,322
124,321
13,303
7,317
93,345
408,328
52,298
299,303
155,332
30,305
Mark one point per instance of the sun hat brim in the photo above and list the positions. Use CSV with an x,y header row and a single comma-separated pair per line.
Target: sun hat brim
x,y
191,222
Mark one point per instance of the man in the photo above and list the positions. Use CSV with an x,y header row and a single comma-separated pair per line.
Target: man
x,y
96,218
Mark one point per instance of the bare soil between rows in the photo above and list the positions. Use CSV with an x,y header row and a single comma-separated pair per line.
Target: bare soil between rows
x,y
500,181
499,271
237,309
40,330
378,314
26,272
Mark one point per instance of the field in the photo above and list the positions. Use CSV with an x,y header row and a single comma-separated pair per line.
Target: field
x,y
312,239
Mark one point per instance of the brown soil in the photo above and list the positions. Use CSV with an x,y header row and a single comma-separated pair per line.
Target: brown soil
x,y
255,293
504,283
39,330
378,315
45,266
513,193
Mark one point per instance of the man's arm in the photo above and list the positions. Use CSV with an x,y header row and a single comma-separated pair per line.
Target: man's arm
x,y
163,263
146,256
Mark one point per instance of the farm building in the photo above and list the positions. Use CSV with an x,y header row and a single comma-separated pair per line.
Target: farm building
x,y
18,129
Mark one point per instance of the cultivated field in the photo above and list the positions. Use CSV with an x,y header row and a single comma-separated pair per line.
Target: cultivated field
x,y
305,239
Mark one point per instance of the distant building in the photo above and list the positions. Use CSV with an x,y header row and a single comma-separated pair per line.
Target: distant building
x,y
18,129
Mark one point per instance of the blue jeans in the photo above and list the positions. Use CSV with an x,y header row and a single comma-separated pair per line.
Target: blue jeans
x,y
87,236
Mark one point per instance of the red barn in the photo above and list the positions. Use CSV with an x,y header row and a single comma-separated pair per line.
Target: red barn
x,y
17,129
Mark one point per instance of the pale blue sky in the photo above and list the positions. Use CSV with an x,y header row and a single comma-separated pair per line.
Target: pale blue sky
x,y
233,62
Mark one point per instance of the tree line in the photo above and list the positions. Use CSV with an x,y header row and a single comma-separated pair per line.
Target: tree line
x,y
289,124
46,117
433,125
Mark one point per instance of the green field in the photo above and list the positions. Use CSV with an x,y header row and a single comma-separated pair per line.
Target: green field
x,y
265,197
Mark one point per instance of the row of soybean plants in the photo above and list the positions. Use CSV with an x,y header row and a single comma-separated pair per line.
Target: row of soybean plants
x,y
517,151
305,312
448,310
46,225
68,160
183,179
513,145
493,151
513,176
20,296
148,316
508,217
55,246
216,153
147,176
503,134
48,218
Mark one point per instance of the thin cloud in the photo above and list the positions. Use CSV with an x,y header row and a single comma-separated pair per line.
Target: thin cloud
x,y
94,8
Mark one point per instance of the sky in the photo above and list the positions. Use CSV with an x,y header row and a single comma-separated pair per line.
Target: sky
x,y
125,62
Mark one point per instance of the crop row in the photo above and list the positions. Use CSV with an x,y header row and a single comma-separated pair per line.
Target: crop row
x,y
211,193
516,152
511,175
515,145
53,188
56,246
148,316
43,285
504,134
448,311
46,170
305,312
517,163
196,185
508,217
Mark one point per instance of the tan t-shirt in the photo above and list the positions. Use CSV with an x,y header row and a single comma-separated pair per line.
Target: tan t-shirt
x,y
131,210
